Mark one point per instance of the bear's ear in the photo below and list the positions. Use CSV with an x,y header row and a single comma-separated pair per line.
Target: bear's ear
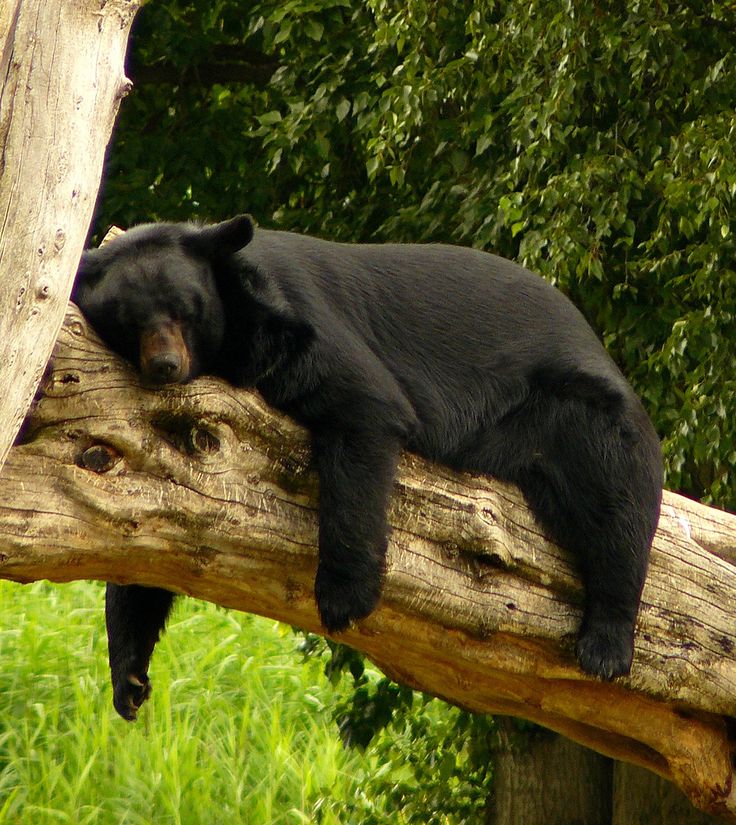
x,y
221,240
89,264
90,268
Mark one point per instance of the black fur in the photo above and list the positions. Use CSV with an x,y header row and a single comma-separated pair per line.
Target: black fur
x,y
458,355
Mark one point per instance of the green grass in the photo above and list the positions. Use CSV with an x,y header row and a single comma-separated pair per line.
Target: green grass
x,y
238,729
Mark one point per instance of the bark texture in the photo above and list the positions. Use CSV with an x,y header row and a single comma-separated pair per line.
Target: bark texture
x,y
61,81
205,490
540,778
641,798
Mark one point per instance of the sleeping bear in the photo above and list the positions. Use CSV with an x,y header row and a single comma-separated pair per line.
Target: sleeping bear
x,y
456,354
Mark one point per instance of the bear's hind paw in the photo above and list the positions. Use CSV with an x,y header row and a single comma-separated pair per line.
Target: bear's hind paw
x,y
606,650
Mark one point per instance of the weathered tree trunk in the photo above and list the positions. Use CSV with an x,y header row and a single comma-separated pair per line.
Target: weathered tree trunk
x,y
540,778
61,80
203,489
641,798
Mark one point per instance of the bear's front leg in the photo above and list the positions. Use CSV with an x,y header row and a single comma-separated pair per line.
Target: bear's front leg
x,y
356,476
135,617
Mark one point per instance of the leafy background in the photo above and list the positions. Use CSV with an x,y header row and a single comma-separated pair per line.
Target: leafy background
x,y
593,142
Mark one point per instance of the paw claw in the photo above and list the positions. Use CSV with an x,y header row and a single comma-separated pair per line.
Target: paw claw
x,y
130,693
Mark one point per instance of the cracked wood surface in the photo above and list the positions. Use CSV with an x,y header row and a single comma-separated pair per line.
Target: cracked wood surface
x,y
205,490
61,82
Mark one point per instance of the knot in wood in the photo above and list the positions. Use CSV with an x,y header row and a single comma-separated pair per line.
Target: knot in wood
x,y
204,441
100,458
61,383
185,433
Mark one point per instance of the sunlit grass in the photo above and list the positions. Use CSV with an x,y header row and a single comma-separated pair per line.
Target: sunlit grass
x,y
238,729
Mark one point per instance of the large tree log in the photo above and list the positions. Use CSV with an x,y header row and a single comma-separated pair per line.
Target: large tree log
x,y
205,490
61,81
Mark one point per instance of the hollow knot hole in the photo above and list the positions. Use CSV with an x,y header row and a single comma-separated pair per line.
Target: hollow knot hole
x,y
185,433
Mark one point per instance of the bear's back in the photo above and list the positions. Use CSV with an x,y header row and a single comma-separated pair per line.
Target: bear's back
x,y
424,301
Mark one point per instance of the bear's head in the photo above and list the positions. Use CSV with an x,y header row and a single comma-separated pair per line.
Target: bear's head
x,y
151,295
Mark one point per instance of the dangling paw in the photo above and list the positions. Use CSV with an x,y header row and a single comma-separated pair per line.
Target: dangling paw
x,y
129,693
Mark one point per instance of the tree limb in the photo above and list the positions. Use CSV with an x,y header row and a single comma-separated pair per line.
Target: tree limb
x,y
205,490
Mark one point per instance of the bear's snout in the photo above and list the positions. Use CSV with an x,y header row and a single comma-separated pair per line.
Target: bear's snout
x,y
164,356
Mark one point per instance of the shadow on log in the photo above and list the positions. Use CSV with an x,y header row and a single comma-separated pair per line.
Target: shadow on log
x,y
203,489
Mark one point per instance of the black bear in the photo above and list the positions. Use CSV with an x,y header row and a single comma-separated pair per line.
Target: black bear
x,y
456,354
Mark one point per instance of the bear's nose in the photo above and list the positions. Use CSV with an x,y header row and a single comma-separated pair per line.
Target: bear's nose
x,y
164,369
164,357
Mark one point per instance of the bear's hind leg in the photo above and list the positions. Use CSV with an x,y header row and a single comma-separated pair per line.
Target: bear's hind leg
x,y
597,488
591,473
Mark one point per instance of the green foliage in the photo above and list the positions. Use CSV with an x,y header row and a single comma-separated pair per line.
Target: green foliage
x,y
426,763
432,767
593,143
237,730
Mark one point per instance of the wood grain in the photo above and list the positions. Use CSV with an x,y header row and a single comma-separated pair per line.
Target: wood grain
x,y
61,83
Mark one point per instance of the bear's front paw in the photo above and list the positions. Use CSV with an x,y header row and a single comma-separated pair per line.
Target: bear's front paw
x,y
606,649
129,692
343,598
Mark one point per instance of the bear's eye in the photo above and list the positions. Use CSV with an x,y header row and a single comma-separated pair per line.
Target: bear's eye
x,y
178,311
